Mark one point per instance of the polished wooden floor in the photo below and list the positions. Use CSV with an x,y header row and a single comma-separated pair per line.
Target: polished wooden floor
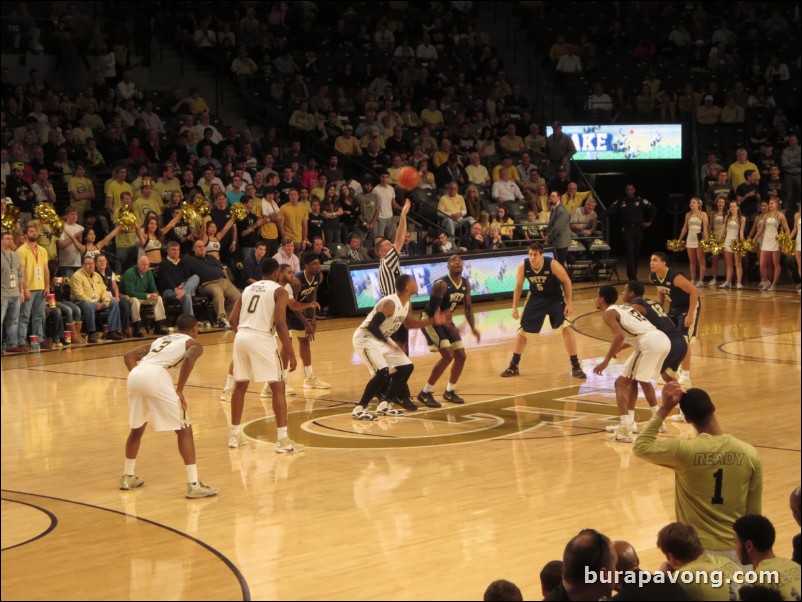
x,y
431,506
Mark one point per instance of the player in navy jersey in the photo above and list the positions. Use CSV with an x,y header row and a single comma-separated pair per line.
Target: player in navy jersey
x,y
447,294
684,307
550,294
303,323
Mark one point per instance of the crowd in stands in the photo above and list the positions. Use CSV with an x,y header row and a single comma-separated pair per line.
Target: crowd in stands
x,y
421,90
352,98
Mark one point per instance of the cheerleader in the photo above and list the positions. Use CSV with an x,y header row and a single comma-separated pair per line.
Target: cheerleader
x,y
797,233
758,238
717,223
695,227
770,256
734,230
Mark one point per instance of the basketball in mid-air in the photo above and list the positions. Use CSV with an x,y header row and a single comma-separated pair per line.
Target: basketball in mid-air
x,y
408,177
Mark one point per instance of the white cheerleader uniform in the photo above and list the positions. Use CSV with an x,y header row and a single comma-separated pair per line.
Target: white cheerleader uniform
x,y
718,225
733,233
694,231
770,230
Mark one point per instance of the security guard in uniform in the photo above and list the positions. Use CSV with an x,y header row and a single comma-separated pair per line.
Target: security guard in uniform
x,y
635,214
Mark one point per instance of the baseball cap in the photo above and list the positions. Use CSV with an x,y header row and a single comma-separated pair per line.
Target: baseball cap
x,y
18,165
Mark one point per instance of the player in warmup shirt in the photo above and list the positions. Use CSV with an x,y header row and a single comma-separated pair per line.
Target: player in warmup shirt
x,y
550,294
384,359
684,306
448,293
151,391
754,543
258,316
302,299
303,322
650,349
719,478
653,311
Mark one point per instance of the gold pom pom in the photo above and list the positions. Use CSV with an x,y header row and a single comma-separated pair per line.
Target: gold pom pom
x,y
239,211
675,245
712,245
10,217
786,243
46,214
126,218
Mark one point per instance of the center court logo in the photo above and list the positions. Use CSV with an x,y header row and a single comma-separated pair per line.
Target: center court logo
x,y
572,410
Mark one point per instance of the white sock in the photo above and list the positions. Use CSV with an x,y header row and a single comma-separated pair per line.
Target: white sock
x,y
192,473
229,382
686,374
309,372
631,416
282,432
626,421
236,429
428,388
129,466
451,387
654,409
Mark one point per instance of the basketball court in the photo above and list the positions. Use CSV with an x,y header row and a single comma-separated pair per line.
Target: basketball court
x,y
434,505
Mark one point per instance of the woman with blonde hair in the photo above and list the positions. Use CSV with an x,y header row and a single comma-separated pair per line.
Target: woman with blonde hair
x,y
770,248
472,201
733,230
540,200
695,227
717,221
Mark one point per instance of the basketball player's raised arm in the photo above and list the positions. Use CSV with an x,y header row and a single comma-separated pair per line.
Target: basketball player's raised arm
x,y
402,227
519,287
568,286
282,298
235,312
194,351
469,310
132,357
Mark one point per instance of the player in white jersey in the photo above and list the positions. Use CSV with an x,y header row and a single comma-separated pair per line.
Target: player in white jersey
x,y
650,346
257,318
385,360
151,392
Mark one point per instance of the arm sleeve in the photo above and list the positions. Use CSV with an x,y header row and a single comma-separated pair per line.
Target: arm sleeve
x,y
375,322
647,447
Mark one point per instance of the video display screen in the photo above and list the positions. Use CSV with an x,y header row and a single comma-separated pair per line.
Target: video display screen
x,y
639,142
488,275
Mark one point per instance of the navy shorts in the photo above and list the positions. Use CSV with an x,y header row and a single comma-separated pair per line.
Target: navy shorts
x,y
535,314
679,348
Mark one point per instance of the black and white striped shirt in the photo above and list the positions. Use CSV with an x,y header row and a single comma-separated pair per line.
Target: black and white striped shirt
x,y
389,270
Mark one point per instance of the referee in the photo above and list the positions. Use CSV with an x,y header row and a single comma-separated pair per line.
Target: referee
x,y
635,214
389,270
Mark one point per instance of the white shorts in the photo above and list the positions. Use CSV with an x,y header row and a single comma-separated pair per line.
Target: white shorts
x,y
378,355
256,357
151,392
646,360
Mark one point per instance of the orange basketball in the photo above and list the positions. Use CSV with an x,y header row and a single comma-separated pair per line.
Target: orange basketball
x,y
408,177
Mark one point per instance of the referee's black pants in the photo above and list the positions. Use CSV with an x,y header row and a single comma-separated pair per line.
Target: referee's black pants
x,y
633,235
